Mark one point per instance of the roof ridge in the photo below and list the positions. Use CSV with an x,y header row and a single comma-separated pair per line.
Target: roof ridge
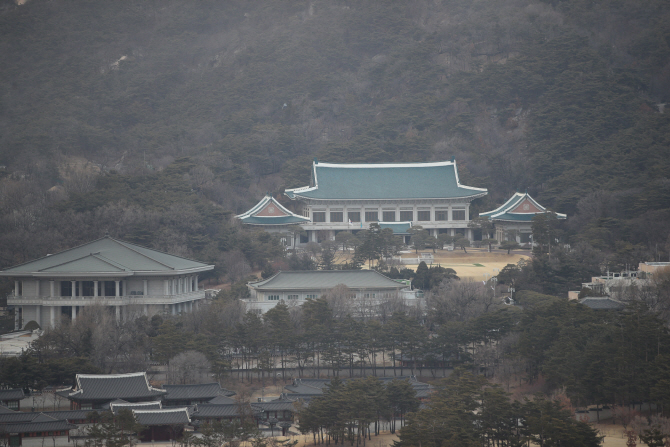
x,y
142,254
110,376
66,262
106,260
125,244
163,410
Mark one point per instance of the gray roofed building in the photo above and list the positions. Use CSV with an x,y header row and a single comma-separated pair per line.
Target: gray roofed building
x,y
350,197
219,412
5,410
11,398
367,287
98,390
602,303
119,405
164,416
41,427
220,400
193,394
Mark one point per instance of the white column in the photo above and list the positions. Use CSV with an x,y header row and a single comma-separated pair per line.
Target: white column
x,y
197,284
146,288
95,288
118,310
118,289
16,288
52,317
166,287
102,289
174,309
51,288
74,288
124,292
37,290
38,315
74,313
146,310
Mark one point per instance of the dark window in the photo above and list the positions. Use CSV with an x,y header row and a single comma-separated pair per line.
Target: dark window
x,y
423,216
336,216
406,216
110,288
319,216
371,216
304,239
458,214
87,287
388,216
354,216
65,288
441,215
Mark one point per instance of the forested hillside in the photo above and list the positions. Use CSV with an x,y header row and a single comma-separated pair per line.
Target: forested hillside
x,y
156,121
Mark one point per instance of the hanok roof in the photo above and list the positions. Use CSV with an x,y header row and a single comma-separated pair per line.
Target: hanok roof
x,y
521,207
107,257
270,212
602,303
385,181
217,411
11,394
97,387
119,405
197,391
5,410
275,405
70,415
222,400
397,227
164,416
38,426
326,279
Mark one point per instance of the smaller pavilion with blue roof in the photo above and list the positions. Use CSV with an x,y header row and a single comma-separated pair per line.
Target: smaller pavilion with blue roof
x,y
273,217
516,216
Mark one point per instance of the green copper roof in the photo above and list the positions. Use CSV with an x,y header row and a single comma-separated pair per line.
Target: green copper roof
x,y
385,181
107,256
258,214
397,227
507,211
326,279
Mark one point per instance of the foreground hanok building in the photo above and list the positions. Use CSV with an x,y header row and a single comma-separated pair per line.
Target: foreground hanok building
x,y
349,197
97,391
515,217
108,272
366,288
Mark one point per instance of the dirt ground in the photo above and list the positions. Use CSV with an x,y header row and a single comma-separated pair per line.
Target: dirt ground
x,y
477,264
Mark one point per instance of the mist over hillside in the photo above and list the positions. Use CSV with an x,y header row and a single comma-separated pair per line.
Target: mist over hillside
x,y
157,120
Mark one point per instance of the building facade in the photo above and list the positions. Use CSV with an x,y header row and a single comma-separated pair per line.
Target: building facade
x,y
349,197
272,217
124,277
513,219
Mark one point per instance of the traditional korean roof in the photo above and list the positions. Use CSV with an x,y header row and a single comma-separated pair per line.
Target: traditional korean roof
x,y
107,257
11,394
164,416
521,207
274,405
101,387
397,227
17,417
197,391
216,411
220,400
326,279
38,426
436,180
602,303
119,405
5,410
70,415
270,212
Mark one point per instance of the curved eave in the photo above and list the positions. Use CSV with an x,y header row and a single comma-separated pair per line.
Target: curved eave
x,y
470,197
298,289
204,268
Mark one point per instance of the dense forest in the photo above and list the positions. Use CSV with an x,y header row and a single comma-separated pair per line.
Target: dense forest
x,y
156,121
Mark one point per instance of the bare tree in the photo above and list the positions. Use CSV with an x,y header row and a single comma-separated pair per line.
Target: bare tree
x,y
188,367
460,301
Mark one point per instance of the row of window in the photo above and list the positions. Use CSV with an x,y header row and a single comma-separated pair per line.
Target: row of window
x,y
314,296
390,216
44,433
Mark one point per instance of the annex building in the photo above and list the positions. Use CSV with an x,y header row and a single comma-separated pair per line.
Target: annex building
x,y
119,275
349,197
514,218
367,289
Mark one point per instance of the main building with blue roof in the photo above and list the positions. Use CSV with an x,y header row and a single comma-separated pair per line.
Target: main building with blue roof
x,y
350,197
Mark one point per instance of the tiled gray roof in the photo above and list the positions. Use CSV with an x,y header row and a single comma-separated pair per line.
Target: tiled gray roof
x,y
165,416
107,255
327,279
17,417
116,407
31,427
304,389
274,405
198,391
4,410
385,181
133,386
222,400
602,303
70,415
204,411
12,394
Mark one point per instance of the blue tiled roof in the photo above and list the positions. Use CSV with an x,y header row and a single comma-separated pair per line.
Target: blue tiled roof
x,y
385,181
397,227
286,217
504,211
